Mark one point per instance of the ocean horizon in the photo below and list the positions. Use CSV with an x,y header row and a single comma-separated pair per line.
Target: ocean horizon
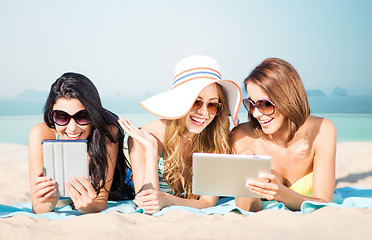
x,y
350,127
358,104
352,115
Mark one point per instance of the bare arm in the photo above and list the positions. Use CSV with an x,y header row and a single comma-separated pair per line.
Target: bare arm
x,y
323,174
41,187
152,201
323,169
143,154
239,143
324,162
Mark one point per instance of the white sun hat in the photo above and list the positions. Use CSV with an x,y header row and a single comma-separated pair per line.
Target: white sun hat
x,y
192,75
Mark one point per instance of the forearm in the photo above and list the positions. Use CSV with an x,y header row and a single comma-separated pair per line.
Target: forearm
x,y
294,200
249,204
195,203
94,207
151,177
38,207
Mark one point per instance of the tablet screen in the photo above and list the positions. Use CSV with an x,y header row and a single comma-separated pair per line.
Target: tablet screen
x,y
226,174
63,159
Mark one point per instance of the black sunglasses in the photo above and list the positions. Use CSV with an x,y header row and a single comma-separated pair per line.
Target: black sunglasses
x,y
213,108
264,106
62,118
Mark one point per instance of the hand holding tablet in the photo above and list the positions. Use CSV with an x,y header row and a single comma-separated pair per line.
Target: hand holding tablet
x,y
64,159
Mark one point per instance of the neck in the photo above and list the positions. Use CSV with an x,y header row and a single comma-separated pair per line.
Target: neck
x,y
280,137
187,135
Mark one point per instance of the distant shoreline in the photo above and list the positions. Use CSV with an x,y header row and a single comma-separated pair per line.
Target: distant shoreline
x,y
350,127
349,104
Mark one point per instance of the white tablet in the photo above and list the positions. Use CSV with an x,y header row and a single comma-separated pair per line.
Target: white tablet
x,y
63,159
226,174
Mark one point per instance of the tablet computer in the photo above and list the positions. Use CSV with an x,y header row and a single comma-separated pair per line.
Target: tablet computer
x,y
63,159
226,174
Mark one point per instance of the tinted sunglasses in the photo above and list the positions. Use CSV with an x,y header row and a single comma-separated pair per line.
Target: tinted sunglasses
x,y
264,106
62,118
213,108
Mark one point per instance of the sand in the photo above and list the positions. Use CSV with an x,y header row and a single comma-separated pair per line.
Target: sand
x,y
354,168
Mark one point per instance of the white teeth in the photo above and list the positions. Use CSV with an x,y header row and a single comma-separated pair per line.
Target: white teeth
x,y
263,122
199,120
70,135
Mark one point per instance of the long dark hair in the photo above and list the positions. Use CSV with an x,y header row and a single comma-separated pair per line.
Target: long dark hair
x,y
74,85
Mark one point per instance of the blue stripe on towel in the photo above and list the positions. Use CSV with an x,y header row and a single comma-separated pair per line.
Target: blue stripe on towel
x,y
343,198
65,211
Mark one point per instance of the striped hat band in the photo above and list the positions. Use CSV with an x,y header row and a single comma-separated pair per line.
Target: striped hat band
x,y
195,73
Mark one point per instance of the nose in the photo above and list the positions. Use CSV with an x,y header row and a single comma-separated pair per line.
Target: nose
x,y
256,113
203,110
72,125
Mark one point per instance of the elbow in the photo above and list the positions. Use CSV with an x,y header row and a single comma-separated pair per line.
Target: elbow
x,y
249,204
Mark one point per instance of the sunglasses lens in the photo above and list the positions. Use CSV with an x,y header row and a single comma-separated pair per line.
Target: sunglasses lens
x,y
246,104
82,117
61,118
214,108
265,107
251,106
197,105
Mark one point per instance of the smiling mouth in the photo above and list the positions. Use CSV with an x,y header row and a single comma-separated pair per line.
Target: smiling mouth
x,y
264,123
198,121
73,136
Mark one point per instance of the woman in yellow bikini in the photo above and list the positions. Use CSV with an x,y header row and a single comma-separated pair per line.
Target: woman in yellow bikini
x,y
303,147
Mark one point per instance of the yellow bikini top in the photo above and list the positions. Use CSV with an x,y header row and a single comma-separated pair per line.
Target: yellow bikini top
x,y
304,185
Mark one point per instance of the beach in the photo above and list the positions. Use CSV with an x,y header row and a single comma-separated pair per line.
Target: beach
x,y
353,168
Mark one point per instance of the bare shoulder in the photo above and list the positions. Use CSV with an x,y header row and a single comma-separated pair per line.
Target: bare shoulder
x,y
242,139
37,134
156,128
243,130
323,128
324,124
41,131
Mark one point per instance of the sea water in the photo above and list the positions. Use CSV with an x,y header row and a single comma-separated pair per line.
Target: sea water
x,y
350,127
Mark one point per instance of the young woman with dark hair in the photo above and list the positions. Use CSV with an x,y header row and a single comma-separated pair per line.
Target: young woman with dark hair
x,y
302,146
73,111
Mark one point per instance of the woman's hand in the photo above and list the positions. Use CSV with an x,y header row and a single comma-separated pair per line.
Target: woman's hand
x,y
147,140
152,200
267,186
44,188
82,195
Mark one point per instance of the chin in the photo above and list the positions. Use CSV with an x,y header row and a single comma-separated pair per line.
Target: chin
x,y
194,131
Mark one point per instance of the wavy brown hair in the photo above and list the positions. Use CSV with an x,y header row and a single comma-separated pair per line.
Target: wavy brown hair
x,y
213,139
283,85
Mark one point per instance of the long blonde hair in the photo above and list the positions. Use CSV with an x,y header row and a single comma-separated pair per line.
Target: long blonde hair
x,y
213,139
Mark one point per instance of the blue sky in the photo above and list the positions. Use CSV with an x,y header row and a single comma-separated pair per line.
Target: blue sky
x,y
131,47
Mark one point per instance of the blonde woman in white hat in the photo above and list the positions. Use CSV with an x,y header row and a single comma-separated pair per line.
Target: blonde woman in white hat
x,y
194,118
